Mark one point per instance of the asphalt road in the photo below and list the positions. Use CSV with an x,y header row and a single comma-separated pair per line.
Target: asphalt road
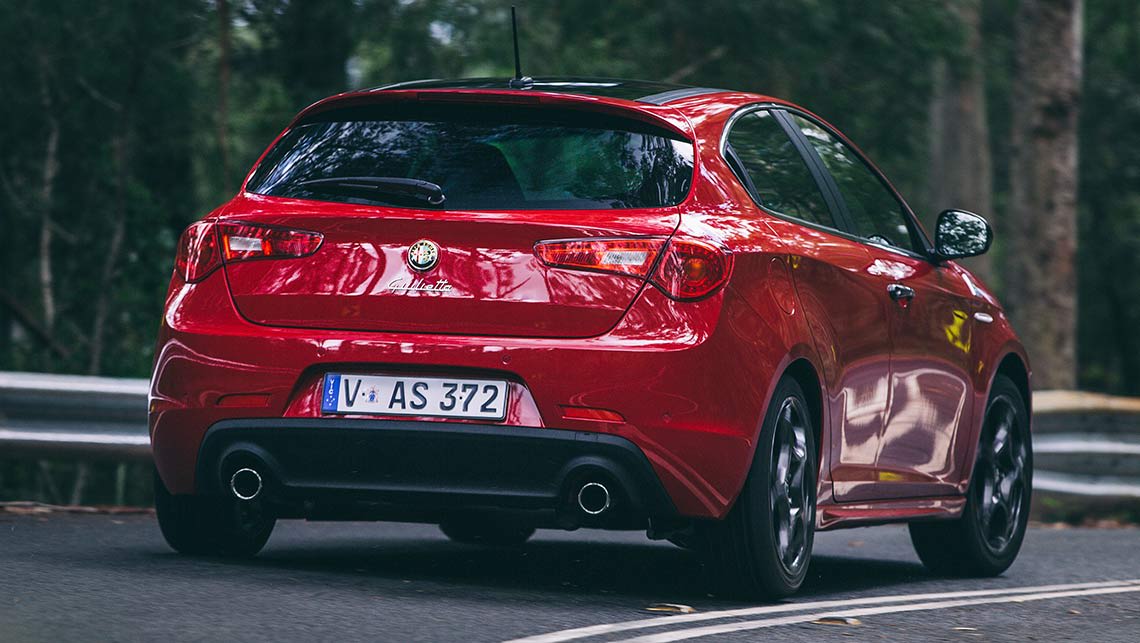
x,y
101,577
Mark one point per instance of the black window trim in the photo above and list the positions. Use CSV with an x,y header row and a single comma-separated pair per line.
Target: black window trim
x,y
737,165
909,218
726,151
823,179
826,183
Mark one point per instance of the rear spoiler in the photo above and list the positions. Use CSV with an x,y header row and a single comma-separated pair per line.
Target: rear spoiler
x,y
661,116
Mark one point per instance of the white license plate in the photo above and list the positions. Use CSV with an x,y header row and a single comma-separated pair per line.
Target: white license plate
x,y
399,395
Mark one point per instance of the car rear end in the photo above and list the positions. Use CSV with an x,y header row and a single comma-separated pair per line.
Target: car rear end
x,y
426,302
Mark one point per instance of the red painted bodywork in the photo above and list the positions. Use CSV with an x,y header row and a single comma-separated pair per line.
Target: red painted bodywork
x,y
902,388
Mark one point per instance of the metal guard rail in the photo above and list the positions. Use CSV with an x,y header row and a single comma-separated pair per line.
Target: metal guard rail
x,y
1084,443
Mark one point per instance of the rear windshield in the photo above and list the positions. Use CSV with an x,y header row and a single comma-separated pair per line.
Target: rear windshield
x,y
483,158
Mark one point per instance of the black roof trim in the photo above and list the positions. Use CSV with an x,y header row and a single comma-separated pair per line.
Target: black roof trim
x,y
643,91
677,94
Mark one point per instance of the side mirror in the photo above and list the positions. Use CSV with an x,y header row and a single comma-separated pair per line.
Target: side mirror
x,y
961,234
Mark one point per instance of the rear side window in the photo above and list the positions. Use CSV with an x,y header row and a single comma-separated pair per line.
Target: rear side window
x,y
484,158
878,216
780,180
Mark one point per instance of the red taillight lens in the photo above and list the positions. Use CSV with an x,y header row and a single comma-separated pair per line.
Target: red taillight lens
x,y
205,244
240,241
622,256
689,269
692,269
197,252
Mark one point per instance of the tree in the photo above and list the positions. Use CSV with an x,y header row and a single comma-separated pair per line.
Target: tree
x,y
306,43
186,134
960,160
1042,281
1109,311
223,115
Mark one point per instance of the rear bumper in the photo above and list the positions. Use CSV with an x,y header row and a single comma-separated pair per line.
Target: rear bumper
x,y
689,380
326,467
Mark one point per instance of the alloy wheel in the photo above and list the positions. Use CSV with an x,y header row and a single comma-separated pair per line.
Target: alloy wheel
x,y
1003,475
789,495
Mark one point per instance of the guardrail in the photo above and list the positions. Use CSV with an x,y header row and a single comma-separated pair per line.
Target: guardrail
x,y
54,416
1084,443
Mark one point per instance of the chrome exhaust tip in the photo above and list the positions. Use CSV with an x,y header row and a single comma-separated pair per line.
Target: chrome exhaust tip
x,y
593,498
245,484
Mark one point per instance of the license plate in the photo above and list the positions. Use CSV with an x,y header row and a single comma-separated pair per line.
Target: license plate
x,y
400,395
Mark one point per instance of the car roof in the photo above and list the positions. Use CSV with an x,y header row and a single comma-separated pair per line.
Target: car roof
x,y
641,91
680,108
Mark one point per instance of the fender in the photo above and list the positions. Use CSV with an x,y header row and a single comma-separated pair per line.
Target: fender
x,y
799,353
1010,349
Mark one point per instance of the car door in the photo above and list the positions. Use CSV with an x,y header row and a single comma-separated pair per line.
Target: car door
x,y
847,314
929,400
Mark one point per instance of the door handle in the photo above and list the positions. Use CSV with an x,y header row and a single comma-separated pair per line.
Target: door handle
x,y
900,293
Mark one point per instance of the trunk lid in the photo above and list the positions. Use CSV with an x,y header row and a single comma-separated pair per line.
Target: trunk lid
x,y
487,280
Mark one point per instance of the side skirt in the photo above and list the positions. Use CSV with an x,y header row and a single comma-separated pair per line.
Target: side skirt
x,y
862,514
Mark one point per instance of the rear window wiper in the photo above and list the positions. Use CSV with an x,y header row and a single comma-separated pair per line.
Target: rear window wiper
x,y
382,188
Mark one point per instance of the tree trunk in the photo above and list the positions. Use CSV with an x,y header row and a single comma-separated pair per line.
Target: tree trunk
x,y
79,487
47,198
119,146
121,151
223,115
960,161
1042,285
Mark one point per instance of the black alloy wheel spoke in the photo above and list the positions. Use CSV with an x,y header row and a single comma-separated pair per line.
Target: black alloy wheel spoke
x,y
789,494
1002,475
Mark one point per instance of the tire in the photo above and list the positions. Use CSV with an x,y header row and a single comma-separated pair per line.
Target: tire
x,y
985,539
208,526
485,530
746,553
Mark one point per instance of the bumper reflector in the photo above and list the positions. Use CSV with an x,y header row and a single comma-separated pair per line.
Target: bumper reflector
x,y
591,414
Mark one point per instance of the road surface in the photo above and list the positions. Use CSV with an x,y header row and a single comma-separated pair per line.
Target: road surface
x,y
106,577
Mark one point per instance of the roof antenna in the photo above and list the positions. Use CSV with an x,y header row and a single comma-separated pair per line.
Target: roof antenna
x,y
519,81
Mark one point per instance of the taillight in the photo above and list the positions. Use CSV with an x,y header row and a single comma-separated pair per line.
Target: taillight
x,y
242,241
205,244
687,269
623,256
197,252
692,269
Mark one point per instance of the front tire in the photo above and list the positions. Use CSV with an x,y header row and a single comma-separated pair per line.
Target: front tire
x,y
210,526
985,540
763,548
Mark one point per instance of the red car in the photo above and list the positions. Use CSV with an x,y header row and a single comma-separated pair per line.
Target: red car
x,y
502,305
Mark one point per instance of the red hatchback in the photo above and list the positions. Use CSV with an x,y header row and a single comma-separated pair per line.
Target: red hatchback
x,y
499,306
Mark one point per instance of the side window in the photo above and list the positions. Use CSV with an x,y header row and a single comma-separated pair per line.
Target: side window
x,y
877,214
780,178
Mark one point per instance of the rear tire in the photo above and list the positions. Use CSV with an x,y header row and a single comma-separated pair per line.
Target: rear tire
x,y
985,540
486,530
209,526
763,548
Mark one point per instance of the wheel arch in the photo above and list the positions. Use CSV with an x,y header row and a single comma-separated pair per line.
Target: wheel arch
x,y
1013,366
798,365
806,375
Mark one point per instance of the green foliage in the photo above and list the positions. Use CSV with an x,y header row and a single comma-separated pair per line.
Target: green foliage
x,y
1110,200
112,78
144,74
